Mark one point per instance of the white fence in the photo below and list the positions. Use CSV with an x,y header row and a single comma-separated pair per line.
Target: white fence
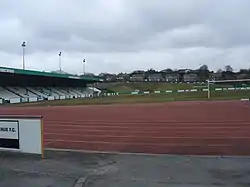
x,y
62,97
33,99
50,98
22,134
15,100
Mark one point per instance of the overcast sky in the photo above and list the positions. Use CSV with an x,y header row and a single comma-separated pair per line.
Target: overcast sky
x,y
125,35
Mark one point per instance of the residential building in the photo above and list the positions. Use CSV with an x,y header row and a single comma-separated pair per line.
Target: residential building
x,y
109,77
190,77
156,77
137,77
122,77
215,76
173,77
182,71
243,76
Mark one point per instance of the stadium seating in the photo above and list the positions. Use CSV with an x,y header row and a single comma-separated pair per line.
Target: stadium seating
x,y
22,94
6,94
20,91
19,85
37,92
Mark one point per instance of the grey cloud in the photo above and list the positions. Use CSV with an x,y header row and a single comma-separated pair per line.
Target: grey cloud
x,y
137,21
118,32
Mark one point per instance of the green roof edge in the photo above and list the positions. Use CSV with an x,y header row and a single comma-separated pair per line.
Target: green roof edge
x,y
47,74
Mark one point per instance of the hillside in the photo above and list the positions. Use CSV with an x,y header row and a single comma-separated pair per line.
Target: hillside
x,y
122,87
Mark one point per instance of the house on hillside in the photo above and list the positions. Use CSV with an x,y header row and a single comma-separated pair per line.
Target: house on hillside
x,y
183,71
215,76
190,77
242,76
156,77
137,77
173,77
109,77
122,77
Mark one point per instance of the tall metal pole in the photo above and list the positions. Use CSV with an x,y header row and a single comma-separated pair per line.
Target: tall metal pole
x,y
60,62
83,66
23,46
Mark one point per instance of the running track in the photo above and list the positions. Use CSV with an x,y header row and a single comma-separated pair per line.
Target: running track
x,y
210,128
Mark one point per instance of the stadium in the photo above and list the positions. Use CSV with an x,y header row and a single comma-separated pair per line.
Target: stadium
x,y
125,93
192,127
20,86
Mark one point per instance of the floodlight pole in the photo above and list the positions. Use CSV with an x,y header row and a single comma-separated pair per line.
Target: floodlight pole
x,y
83,66
23,46
60,61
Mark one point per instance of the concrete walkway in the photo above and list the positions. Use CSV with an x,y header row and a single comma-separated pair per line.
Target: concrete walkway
x,y
71,169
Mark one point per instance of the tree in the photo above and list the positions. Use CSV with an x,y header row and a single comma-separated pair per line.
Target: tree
x,y
138,72
219,71
150,71
168,70
228,74
228,68
204,67
203,73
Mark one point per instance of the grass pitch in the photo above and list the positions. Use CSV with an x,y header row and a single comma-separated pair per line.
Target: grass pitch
x,y
146,98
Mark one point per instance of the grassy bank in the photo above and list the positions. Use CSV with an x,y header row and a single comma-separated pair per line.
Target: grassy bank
x,y
146,98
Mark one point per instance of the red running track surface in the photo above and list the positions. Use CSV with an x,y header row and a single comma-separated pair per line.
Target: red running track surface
x,y
208,128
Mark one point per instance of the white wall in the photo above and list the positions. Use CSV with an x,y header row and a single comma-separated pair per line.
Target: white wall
x,y
51,98
30,133
62,97
15,100
32,99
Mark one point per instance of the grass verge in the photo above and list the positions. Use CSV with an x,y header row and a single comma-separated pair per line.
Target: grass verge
x,y
146,98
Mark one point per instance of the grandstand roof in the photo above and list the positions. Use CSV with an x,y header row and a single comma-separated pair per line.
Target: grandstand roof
x,y
47,74
12,76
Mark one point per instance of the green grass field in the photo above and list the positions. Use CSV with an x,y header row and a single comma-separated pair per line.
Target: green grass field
x,y
146,98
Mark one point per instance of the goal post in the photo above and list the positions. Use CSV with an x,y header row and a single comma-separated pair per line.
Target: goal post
x,y
239,88
23,134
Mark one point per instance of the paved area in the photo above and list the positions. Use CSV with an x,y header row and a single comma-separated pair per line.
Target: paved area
x,y
73,169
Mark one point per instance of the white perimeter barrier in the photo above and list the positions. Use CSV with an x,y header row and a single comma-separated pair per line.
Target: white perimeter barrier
x,y
33,99
40,99
62,97
50,98
169,91
194,90
134,93
245,99
22,134
1,101
181,90
15,100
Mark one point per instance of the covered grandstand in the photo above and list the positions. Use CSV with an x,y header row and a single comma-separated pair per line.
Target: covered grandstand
x,y
18,85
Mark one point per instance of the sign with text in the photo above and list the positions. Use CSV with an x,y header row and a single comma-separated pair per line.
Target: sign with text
x,y
9,134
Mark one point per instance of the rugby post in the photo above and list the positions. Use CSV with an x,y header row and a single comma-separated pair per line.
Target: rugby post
x,y
22,134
